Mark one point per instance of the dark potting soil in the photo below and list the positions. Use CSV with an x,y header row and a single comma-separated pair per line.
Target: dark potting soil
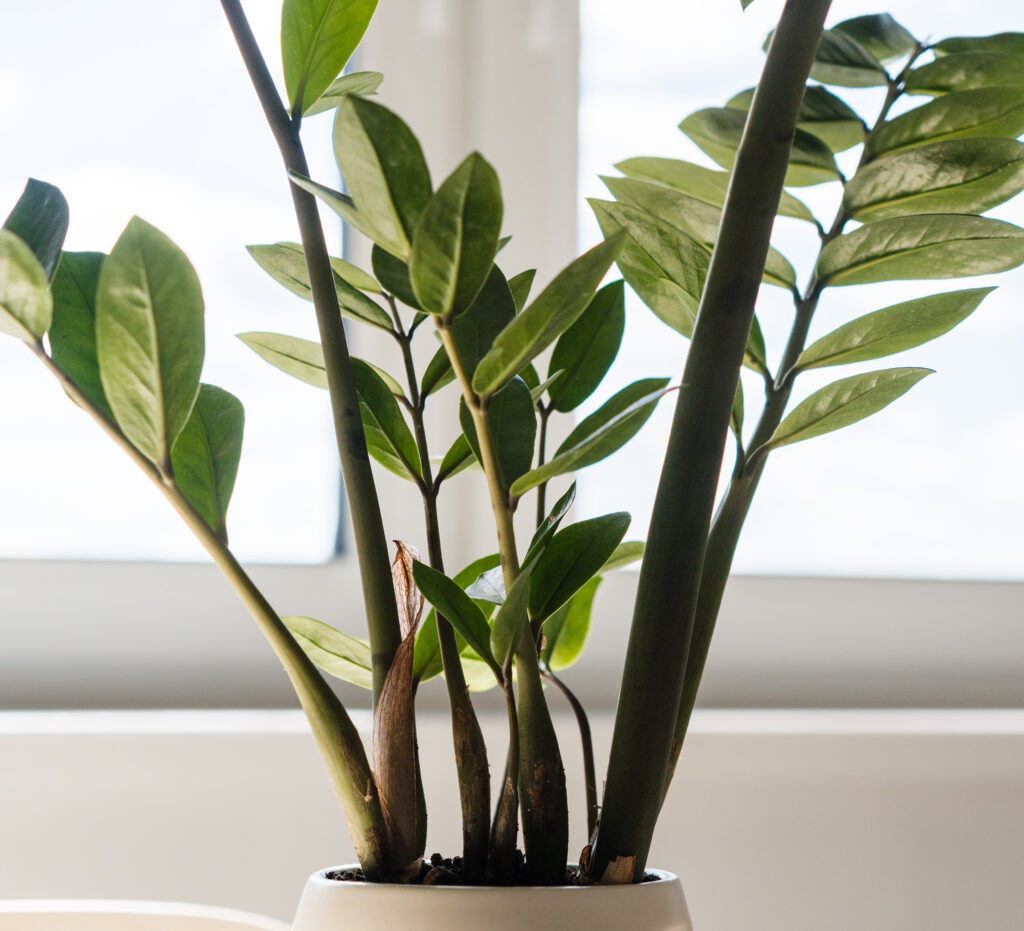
x,y
447,871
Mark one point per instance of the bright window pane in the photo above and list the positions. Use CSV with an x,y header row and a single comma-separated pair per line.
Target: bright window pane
x,y
146,109
928,487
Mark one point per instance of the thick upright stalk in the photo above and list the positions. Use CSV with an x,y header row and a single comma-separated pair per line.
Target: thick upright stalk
x,y
371,542
542,442
670,576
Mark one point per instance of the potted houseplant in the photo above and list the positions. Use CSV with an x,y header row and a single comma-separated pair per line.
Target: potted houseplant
x,y
123,333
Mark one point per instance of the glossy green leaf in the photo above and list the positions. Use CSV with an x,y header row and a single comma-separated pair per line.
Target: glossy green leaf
x,y
565,632
462,612
438,373
355,276
520,286
537,393
393,386
511,618
844,402
338,201
985,112
736,418
1011,43
149,338
554,310
596,437
573,557
958,176
705,184
512,423
337,654
475,331
822,114
879,35
460,456
384,170
206,454
531,376
285,262
718,131
393,275
893,329
549,526
931,246
25,303
457,238
625,554
585,352
359,83
40,220
317,39
388,437
301,358
962,71
73,329
841,60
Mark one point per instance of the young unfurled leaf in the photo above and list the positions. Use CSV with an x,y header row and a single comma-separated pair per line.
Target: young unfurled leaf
x,y
841,60
335,653
718,131
359,83
958,176
705,184
574,555
488,586
73,330
879,35
932,246
585,352
460,456
462,612
286,264
962,71
602,433
475,330
317,39
844,402
1011,43
301,358
40,220
457,238
388,437
512,422
149,338
25,303
893,329
554,310
438,373
385,172
565,632
625,554
822,114
511,619
520,286
206,454
985,112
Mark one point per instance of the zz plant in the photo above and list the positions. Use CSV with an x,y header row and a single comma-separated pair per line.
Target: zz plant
x,y
123,333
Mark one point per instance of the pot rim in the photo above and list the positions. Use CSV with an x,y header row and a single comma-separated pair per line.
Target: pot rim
x,y
320,878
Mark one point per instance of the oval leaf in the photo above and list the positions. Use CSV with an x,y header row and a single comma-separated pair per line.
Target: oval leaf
x,y
359,83
843,61
879,35
844,402
460,456
337,654
40,220
438,373
821,114
388,437
25,303
301,358
511,618
512,422
520,286
475,331
565,632
1012,43
964,71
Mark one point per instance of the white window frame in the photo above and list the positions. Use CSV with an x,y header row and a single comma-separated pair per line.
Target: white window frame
x,y
501,77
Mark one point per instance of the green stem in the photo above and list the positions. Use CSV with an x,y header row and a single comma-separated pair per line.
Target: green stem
x,y
501,869
371,542
666,600
336,735
542,441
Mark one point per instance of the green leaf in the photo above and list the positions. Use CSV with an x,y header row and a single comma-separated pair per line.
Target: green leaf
x,y
585,352
460,456
842,60
385,172
388,437
439,372
718,131
25,303
337,654
932,246
512,423
959,176
475,331
489,586
554,310
879,35
572,558
206,454
546,530
301,358
462,612
565,632
40,220
73,330
822,114
285,262
705,184
893,329
625,554
736,418
355,276
359,83
964,71
520,286
844,402
393,386
317,39
985,112
538,392
149,338
596,437
457,238
393,275
1011,43
511,619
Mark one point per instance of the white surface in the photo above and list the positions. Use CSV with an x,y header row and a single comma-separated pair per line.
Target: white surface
x,y
777,821
102,915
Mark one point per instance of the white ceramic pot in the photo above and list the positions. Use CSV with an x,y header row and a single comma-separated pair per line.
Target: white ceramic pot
x,y
332,905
